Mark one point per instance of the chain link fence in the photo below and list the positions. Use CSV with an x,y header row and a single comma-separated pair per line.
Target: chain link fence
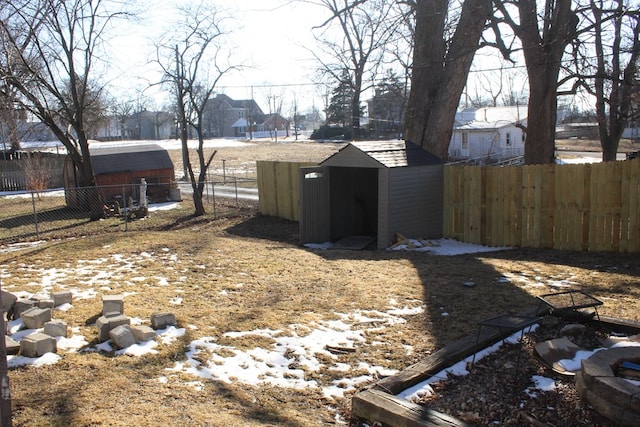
x,y
62,213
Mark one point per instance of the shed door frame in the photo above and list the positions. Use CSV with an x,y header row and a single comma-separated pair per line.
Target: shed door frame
x,y
315,212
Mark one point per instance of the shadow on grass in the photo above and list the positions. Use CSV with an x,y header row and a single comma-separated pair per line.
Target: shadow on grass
x,y
461,290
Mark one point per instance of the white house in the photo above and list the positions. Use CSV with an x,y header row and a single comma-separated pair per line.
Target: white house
x,y
488,133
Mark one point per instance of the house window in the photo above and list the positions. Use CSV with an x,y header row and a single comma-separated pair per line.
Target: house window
x,y
465,140
508,139
240,114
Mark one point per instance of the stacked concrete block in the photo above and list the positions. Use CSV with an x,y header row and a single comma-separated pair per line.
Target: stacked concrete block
x,y
7,299
143,333
56,328
37,344
112,304
13,346
21,305
60,298
35,318
109,322
122,336
162,320
43,301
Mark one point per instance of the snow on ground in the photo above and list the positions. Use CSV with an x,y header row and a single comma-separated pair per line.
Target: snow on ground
x,y
167,144
434,247
295,347
292,348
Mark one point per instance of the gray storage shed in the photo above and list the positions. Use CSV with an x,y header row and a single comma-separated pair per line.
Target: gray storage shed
x,y
372,190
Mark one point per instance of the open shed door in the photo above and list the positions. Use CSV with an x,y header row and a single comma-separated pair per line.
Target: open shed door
x,y
315,218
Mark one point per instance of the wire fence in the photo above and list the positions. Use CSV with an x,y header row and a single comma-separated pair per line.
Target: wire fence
x,y
62,213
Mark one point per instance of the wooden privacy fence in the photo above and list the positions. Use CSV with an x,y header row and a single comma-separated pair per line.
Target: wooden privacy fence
x,y
278,187
593,207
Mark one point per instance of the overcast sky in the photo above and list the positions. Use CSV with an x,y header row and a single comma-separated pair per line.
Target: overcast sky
x,y
270,38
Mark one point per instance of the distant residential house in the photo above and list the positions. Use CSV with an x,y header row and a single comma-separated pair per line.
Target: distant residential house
x,y
143,125
488,133
229,118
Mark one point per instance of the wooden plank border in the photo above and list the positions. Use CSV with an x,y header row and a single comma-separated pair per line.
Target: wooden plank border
x,y
379,403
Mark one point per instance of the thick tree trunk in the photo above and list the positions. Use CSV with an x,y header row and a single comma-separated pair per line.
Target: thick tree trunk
x,y
440,71
543,47
540,136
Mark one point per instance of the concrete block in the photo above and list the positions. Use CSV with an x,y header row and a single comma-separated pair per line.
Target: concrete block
x,y
122,336
106,323
35,318
22,305
7,299
162,320
56,328
45,303
13,346
143,333
59,298
113,303
37,344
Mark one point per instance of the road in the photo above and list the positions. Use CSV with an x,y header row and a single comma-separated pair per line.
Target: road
x,y
230,191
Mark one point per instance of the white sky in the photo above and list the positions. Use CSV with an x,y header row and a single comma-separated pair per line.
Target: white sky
x,y
270,38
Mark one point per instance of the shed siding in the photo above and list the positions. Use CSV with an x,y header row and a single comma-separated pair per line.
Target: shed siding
x,y
415,203
384,234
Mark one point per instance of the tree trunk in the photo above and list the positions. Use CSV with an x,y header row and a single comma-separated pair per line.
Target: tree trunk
x,y
540,132
543,54
440,71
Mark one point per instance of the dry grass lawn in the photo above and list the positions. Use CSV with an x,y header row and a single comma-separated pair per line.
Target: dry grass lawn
x,y
248,273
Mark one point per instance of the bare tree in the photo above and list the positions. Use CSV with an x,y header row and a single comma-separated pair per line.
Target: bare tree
x,y
49,50
365,33
193,62
9,118
544,36
445,44
616,40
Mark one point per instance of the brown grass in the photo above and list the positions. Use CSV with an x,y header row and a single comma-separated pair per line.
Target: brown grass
x,y
245,273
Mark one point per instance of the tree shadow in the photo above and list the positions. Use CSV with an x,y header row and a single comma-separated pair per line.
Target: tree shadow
x,y
459,291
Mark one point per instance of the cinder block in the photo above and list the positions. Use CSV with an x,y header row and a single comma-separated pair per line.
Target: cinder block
x,y
59,298
35,318
106,323
45,303
162,320
8,299
13,346
37,344
56,328
22,305
143,333
113,303
122,336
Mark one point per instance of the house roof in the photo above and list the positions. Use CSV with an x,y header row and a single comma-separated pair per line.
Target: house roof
x,y
389,154
137,157
490,118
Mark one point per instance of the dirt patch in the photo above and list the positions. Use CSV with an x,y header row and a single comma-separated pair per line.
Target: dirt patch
x,y
501,388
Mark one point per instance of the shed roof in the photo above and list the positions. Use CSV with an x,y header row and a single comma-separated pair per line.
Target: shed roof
x,y
378,154
130,158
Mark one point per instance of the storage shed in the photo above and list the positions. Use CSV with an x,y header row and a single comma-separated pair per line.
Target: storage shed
x,y
119,170
369,191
